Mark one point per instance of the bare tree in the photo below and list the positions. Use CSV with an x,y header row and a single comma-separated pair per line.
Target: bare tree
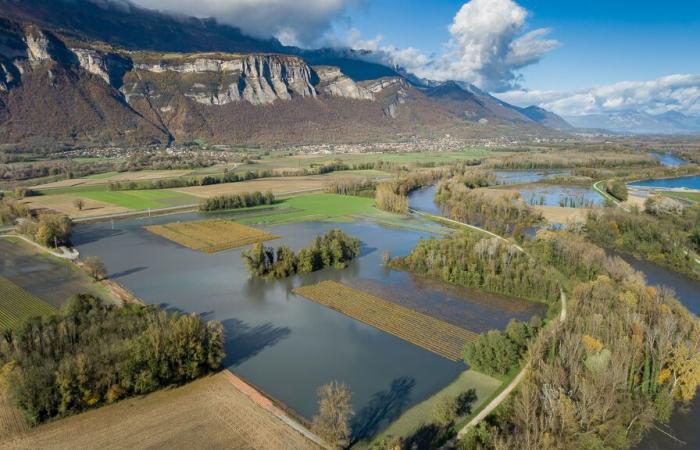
x,y
79,203
332,422
95,267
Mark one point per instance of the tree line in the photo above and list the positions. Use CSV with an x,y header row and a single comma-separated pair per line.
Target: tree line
x,y
235,201
662,237
91,354
333,249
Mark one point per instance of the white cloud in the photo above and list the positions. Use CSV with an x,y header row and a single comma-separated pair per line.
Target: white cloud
x,y
293,22
488,45
679,92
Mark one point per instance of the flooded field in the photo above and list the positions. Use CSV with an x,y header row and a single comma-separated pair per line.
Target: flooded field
x,y
284,344
51,279
560,195
527,176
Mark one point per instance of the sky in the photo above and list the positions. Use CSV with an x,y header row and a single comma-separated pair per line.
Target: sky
x,y
573,57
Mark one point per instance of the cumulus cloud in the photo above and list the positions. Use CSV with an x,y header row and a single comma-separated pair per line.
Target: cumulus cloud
x,y
293,22
679,93
489,44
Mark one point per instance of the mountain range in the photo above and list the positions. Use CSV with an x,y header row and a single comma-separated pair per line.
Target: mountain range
x,y
86,72
639,122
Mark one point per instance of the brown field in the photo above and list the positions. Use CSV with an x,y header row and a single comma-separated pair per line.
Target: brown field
x,y
210,413
435,335
144,175
211,236
559,214
276,185
63,203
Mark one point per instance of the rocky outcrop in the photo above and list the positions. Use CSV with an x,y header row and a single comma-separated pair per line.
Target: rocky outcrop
x,y
111,67
334,83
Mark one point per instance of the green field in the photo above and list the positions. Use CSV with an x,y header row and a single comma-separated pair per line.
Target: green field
x,y
331,207
315,207
690,196
423,413
18,305
145,199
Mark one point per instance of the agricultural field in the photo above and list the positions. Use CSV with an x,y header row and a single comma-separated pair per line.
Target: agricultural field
x,y
274,161
276,185
65,204
111,177
437,336
51,279
424,412
210,236
211,412
18,305
315,207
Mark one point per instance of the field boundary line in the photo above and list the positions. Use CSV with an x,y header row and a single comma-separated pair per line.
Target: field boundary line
x,y
262,401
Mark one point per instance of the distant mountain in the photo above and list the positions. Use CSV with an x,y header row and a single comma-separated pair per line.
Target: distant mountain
x,y
100,72
547,118
474,104
639,122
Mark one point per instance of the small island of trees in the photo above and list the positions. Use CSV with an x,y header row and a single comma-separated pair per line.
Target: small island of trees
x,y
333,249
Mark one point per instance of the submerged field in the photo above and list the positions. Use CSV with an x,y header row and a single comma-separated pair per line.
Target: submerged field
x,y
439,337
51,279
210,236
207,413
18,305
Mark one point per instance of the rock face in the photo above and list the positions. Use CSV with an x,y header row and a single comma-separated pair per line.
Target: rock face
x,y
335,84
222,79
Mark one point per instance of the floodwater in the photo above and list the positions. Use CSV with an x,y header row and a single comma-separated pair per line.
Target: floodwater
x,y
668,159
534,194
684,421
560,195
527,176
286,345
689,182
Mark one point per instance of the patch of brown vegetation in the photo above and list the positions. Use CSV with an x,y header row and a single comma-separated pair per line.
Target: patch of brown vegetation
x,y
65,204
276,185
560,214
432,334
208,413
210,236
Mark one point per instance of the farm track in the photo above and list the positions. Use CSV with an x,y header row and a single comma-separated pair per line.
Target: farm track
x,y
437,336
211,236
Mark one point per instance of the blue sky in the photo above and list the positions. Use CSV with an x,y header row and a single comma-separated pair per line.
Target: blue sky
x,y
602,42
